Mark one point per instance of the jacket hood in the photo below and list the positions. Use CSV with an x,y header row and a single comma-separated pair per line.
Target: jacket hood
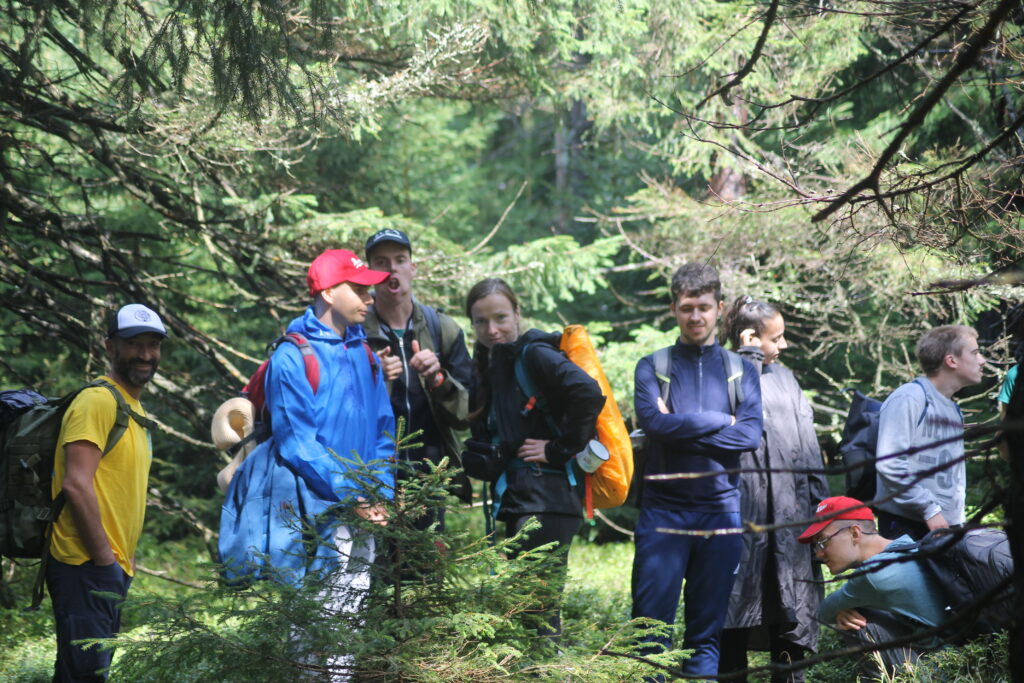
x,y
309,326
533,336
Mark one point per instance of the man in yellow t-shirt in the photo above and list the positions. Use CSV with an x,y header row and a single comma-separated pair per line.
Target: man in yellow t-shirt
x,y
94,539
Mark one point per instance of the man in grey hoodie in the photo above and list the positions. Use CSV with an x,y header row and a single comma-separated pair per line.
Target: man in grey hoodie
x,y
923,487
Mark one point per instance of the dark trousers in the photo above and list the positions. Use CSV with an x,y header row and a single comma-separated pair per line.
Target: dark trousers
x,y
79,613
707,563
882,626
894,526
734,653
553,527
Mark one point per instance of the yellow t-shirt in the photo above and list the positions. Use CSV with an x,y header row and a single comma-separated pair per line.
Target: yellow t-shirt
x,y
120,480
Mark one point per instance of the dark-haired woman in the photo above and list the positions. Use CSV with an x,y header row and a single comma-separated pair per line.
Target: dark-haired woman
x,y
537,435
774,601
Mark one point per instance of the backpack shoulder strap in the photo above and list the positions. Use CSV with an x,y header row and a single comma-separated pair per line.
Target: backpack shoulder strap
x,y
374,365
433,321
309,360
450,331
123,415
927,403
534,398
733,377
663,371
524,380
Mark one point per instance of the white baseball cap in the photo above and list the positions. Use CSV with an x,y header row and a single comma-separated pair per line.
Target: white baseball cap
x,y
135,319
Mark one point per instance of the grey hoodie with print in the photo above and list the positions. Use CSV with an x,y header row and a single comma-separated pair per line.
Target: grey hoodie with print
x,y
916,415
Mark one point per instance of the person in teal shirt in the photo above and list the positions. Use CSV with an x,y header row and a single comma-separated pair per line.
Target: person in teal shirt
x,y
1007,389
882,599
1005,393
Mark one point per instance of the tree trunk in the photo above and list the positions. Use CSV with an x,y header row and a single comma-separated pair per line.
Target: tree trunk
x,y
569,176
728,183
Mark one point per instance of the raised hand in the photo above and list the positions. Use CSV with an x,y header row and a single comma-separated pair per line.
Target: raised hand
x,y
425,361
749,338
392,365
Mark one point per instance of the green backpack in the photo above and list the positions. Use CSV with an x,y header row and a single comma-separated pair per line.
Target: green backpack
x,y
29,428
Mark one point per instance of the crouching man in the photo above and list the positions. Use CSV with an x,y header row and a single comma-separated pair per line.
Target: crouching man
x,y
889,598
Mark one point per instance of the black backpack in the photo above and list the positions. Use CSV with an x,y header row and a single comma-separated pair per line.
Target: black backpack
x,y
859,443
975,571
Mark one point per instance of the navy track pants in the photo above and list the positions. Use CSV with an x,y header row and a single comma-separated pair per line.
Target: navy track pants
x,y
707,563
80,613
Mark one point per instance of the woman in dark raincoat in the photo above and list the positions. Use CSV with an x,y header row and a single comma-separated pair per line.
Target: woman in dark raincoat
x,y
774,599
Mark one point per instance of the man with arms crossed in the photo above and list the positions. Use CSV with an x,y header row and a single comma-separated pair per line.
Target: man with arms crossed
x,y
93,543
922,414
695,432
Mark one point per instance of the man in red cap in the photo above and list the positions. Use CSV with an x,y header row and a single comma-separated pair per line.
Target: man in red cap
x,y
885,598
307,474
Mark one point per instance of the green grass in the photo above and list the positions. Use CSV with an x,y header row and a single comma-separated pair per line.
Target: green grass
x,y
27,647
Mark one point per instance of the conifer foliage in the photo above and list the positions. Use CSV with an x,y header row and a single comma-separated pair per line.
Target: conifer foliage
x,y
441,607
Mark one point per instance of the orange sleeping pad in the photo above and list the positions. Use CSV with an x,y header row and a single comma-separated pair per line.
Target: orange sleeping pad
x,y
608,486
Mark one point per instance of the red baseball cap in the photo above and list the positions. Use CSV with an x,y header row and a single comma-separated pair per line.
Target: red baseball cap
x,y
335,266
831,509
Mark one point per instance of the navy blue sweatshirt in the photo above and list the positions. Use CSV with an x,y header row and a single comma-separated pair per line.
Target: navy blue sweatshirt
x,y
697,435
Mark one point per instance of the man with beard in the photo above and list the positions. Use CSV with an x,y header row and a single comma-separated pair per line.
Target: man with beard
x,y
425,360
94,538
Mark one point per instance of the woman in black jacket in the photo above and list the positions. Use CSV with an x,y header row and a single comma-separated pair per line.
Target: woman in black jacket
x,y
536,435
774,601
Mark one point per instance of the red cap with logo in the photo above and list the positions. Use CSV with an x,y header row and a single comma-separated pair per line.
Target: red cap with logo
x,y
831,509
335,266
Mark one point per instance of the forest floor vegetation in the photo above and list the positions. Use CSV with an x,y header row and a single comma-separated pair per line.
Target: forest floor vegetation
x,y
596,602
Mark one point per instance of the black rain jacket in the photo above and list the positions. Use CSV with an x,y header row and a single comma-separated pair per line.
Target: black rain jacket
x,y
774,584
574,400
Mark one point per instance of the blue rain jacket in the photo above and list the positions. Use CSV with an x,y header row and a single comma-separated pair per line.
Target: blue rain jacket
x,y
292,480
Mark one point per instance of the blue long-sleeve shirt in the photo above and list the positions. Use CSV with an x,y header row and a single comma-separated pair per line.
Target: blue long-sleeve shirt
x,y
697,435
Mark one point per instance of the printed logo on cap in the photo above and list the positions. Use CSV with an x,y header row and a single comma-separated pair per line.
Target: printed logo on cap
x,y
358,262
142,315
822,506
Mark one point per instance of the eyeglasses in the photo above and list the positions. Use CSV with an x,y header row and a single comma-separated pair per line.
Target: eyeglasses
x,y
819,546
